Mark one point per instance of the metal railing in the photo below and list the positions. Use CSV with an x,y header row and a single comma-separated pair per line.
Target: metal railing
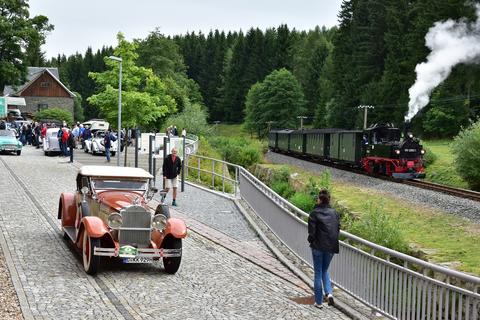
x,y
392,283
213,173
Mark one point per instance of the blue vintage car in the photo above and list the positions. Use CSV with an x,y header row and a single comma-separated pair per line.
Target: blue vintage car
x,y
9,143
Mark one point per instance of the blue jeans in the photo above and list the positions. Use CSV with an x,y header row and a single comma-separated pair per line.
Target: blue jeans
x,y
321,262
107,153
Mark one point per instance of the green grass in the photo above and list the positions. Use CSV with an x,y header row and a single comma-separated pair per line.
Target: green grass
x,y
442,170
230,130
442,238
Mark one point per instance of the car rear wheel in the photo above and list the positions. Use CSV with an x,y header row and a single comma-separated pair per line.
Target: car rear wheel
x,y
90,262
172,264
113,153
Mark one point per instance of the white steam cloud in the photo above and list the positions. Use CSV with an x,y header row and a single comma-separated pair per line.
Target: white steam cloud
x,y
451,43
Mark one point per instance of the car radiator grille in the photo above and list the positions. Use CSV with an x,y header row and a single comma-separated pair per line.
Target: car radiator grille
x,y
135,217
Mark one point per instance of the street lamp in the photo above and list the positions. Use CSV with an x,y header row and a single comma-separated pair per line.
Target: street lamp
x,y
365,114
119,136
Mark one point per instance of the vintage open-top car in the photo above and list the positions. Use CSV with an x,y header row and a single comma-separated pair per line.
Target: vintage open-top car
x,y
108,216
95,145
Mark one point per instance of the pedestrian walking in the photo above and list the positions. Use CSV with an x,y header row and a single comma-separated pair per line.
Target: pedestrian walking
x,y
107,143
60,142
172,165
71,144
37,131
65,135
323,232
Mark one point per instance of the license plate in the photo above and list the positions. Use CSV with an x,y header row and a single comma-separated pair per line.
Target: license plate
x,y
137,260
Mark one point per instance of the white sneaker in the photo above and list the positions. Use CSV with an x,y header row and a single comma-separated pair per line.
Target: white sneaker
x,y
330,300
318,305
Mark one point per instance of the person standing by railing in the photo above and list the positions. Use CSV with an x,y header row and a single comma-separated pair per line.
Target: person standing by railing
x,y
323,232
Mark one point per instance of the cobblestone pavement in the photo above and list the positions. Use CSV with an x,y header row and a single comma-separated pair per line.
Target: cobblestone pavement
x,y
10,306
212,283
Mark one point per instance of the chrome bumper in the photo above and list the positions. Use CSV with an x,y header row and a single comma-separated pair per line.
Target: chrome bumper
x,y
141,253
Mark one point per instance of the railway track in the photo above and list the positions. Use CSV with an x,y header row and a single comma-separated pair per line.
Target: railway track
x,y
460,193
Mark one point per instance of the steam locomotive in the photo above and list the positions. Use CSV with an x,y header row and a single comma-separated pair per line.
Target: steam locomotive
x,y
378,150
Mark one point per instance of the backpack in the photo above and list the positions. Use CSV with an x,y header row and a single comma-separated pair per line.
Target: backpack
x,y
65,135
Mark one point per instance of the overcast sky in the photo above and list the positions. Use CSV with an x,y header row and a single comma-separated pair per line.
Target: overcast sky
x,y
84,23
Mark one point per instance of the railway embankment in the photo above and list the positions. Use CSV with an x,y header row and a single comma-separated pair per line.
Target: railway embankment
x,y
436,227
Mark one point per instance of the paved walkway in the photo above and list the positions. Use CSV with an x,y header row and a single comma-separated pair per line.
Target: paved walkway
x,y
214,281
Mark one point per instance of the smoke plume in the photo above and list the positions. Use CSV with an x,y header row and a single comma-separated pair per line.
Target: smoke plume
x,y
451,43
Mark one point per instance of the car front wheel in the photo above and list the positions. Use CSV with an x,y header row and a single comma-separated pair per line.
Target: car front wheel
x,y
90,262
172,264
19,152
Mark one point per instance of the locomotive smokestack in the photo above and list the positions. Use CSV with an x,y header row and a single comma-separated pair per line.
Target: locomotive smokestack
x,y
406,128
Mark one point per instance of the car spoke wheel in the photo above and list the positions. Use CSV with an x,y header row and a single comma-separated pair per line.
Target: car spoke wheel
x,y
172,264
90,262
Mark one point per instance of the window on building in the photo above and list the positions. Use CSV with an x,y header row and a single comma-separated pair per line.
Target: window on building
x,y
44,84
42,106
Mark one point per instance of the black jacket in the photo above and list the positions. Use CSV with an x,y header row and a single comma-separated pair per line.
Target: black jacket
x,y
324,228
170,169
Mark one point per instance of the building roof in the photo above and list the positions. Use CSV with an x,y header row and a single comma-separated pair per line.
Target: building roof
x,y
33,73
114,172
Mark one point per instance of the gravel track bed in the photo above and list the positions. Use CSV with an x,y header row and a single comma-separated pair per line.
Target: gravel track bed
x,y
10,307
449,204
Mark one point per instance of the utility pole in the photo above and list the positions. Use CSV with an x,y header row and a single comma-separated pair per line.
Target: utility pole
x,y
365,108
301,120
269,123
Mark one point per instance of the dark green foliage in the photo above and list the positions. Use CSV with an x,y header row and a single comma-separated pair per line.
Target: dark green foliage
x,y
378,227
77,108
55,114
278,98
284,189
466,150
429,157
20,40
241,151
303,201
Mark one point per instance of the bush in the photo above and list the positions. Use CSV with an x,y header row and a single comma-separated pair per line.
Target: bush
x,y
379,227
303,201
54,114
281,175
429,157
284,189
241,151
466,150
325,182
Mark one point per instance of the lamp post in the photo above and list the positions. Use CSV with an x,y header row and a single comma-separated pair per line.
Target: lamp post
x,y
365,114
301,120
119,136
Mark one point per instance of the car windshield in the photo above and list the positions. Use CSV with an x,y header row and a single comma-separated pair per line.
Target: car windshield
x,y
118,184
7,133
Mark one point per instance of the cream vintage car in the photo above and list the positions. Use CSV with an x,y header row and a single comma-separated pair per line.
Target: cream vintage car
x,y
95,145
107,216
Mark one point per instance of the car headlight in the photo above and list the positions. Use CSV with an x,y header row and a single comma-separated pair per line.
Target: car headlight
x,y
159,222
115,221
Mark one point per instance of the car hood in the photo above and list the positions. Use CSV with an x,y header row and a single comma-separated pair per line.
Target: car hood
x,y
120,199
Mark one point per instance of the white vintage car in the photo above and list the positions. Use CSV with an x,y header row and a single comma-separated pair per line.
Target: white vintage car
x,y
95,145
50,142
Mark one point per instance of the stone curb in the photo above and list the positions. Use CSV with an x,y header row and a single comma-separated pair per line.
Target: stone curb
x,y
22,298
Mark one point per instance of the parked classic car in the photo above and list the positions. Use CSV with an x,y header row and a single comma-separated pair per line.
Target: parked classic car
x,y
9,143
95,145
108,216
50,142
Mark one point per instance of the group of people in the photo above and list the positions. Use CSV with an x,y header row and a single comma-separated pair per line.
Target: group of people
x,y
172,131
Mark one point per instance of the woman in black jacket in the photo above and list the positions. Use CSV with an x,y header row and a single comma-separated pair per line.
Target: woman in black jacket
x,y
323,231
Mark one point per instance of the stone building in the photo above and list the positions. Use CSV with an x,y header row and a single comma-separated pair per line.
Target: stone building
x,y
42,90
